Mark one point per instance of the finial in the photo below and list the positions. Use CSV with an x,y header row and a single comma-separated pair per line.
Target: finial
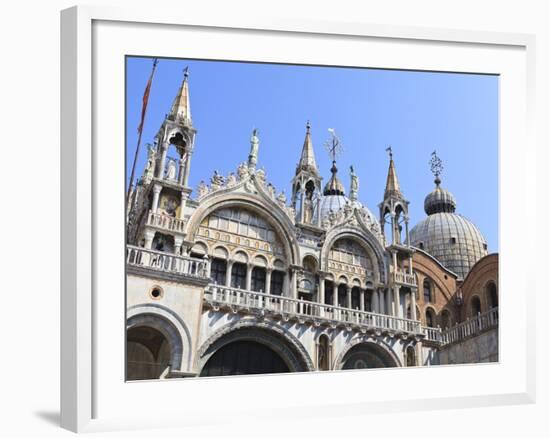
x,y
436,166
333,145
186,72
390,152
308,126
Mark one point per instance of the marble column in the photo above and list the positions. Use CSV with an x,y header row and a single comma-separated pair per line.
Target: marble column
x,y
321,297
187,168
382,301
375,302
396,302
335,294
249,268
228,273
293,289
156,195
268,281
413,304
162,163
362,299
348,296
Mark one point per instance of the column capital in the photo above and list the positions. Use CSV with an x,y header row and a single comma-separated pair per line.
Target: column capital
x,y
157,188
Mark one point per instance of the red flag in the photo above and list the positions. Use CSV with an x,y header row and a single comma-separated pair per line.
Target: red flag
x,y
146,96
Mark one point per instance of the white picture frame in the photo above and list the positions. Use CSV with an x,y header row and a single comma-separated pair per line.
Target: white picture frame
x,y
84,371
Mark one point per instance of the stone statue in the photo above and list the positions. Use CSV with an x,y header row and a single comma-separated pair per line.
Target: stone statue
x,y
254,146
217,181
281,198
171,169
260,176
202,189
271,190
242,171
151,152
231,180
354,185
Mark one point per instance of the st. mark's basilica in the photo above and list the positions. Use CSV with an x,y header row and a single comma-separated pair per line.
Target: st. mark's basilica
x,y
234,278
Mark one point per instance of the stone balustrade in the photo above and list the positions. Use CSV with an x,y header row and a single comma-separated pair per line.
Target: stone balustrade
x,y
403,277
165,222
166,262
245,299
464,330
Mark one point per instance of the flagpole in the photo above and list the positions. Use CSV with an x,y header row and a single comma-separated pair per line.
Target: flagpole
x,y
140,129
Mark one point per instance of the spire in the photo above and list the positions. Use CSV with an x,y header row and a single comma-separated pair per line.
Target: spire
x,y
392,184
181,108
307,159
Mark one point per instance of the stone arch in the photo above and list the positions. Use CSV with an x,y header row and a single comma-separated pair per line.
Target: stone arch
x,y
374,346
365,239
220,251
272,213
475,305
491,294
170,325
286,345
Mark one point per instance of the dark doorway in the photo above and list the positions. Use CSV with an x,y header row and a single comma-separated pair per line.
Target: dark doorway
x,y
244,357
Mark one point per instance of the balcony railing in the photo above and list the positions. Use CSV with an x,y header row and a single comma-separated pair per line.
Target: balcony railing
x,y
165,262
165,222
464,330
220,295
404,277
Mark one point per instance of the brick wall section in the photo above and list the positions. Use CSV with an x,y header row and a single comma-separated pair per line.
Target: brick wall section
x,y
480,276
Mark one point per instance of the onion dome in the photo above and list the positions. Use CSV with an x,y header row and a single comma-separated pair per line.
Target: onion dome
x,y
440,200
449,237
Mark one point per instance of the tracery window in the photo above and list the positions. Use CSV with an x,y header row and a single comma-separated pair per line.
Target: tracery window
x,y
350,252
244,223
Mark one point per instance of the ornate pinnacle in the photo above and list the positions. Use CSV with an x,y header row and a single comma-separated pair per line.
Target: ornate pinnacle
x,y
436,166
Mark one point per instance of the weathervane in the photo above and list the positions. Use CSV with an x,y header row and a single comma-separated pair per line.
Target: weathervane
x,y
333,145
390,151
436,166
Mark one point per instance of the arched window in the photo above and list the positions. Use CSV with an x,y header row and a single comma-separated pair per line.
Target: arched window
x,y
342,295
492,295
238,275
428,296
430,319
277,281
475,306
445,319
410,356
258,279
323,353
218,271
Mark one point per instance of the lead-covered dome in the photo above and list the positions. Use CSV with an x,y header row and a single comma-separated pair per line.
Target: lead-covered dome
x,y
449,237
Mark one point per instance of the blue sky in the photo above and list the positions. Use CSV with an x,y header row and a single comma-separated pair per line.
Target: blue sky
x,y
414,112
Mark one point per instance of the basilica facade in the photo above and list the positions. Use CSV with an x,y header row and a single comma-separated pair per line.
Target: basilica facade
x,y
236,278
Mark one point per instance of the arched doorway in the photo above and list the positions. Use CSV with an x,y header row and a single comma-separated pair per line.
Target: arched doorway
x,y
252,349
244,357
367,355
148,353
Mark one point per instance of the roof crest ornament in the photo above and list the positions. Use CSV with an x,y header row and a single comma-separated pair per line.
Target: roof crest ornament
x,y
436,166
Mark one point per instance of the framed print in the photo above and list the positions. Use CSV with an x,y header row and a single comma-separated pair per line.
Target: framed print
x,y
331,218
